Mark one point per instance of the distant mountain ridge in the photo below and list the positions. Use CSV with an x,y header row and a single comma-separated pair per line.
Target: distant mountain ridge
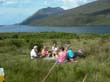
x,y
95,13
44,13
50,10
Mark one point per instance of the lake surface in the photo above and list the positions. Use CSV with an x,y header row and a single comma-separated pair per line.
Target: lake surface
x,y
75,29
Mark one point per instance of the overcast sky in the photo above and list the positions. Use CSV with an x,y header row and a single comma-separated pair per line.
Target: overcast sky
x,y
15,11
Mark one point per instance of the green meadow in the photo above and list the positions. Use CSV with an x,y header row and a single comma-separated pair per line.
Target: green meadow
x,y
15,57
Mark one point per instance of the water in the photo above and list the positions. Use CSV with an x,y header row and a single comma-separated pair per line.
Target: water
x,y
78,30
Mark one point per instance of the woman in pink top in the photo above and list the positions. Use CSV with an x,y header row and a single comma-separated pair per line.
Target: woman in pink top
x,y
44,52
62,56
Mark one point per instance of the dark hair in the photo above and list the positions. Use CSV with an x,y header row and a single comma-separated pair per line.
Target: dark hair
x,y
62,48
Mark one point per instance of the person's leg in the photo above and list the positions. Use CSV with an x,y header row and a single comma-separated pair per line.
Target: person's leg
x,y
57,61
72,60
34,57
68,59
76,54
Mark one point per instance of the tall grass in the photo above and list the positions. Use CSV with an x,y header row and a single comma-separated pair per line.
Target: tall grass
x,y
15,59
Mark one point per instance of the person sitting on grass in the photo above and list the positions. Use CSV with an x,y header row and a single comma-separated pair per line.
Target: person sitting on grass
x,y
54,50
62,56
70,55
44,52
34,52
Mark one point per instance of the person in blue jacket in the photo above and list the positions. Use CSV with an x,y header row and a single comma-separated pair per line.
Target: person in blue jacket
x,y
71,56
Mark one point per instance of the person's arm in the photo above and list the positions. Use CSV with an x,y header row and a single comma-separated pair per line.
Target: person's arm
x,y
43,52
52,48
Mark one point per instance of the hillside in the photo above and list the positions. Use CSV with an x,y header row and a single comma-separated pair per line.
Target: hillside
x,y
95,13
44,13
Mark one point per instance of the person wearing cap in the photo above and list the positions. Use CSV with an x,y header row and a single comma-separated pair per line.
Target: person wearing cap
x,y
34,52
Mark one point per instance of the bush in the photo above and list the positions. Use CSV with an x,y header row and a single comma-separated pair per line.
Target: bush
x,y
17,43
15,36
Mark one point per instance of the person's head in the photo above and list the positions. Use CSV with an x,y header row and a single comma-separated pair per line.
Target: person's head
x,y
62,49
45,47
69,48
55,45
66,48
35,47
81,50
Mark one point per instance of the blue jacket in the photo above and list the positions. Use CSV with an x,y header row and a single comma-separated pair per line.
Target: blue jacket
x,y
71,54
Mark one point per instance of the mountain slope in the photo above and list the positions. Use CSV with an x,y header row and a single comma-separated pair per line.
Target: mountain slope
x,y
95,13
44,13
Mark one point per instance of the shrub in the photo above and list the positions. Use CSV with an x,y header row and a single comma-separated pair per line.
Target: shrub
x,y
15,36
17,43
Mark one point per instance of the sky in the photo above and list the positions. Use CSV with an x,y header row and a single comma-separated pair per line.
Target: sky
x,y
16,11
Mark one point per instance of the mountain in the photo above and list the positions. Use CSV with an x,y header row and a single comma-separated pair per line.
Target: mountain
x,y
44,13
95,13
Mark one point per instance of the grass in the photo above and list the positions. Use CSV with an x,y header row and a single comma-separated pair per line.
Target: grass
x,y
15,49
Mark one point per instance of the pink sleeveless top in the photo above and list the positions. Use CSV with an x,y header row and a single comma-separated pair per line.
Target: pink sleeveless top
x,y
62,57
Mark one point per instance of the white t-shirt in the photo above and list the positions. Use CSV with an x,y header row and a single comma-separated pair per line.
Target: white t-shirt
x,y
33,54
54,49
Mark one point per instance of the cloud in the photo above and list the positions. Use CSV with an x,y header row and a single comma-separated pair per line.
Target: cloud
x,y
14,2
73,3
62,3
66,4
4,2
45,3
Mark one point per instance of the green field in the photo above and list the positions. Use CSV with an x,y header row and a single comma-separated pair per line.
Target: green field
x,y
15,59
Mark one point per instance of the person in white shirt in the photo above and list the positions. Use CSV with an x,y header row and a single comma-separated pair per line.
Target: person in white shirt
x,y
54,50
34,52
